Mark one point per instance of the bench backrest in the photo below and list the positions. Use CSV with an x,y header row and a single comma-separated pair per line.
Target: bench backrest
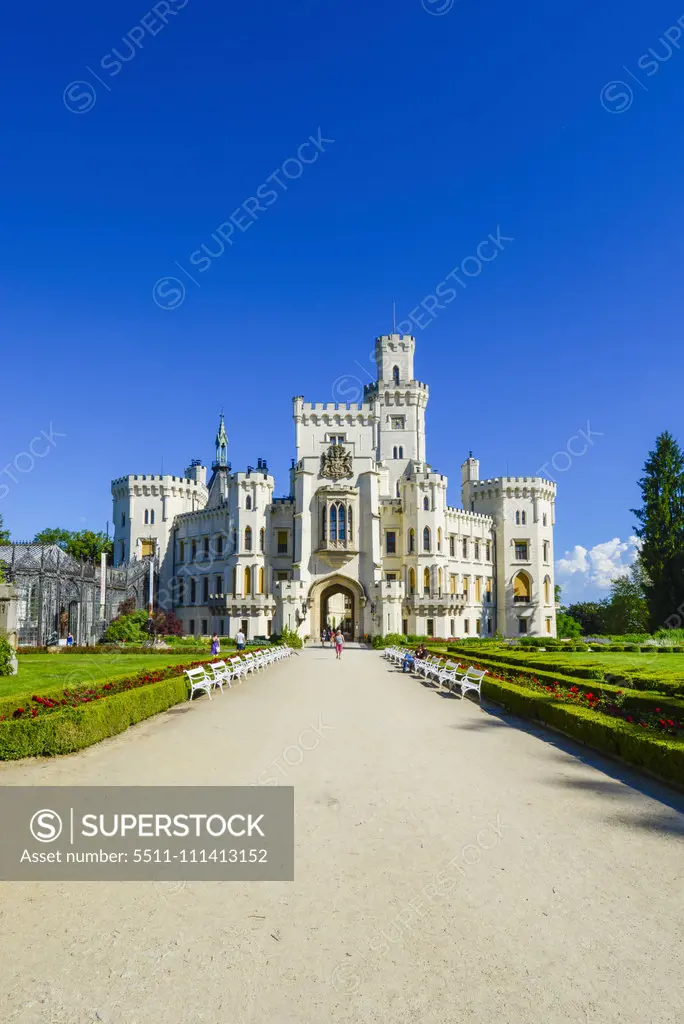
x,y
195,675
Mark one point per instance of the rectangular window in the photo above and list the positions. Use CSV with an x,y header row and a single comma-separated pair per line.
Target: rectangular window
x,y
193,591
521,550
391,577
269,627
244,627
181,591
489,626
522,625
204,627
545,548
147,549
205,590
477,591
194,550
465,548
488,591
398,422
391,542
544,519
548,625
488,554
219,545
282,576
452,588
452,546
336,438
181,552
123,518
517,518
431,627
191,627
222,627
477,550
478,624
466,581
404,626
451,627
282,542
206,547
466,625
218,584
123,551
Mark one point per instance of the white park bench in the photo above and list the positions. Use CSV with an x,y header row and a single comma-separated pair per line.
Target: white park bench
x,y
238,667
199,680
220,674
470,680
447,674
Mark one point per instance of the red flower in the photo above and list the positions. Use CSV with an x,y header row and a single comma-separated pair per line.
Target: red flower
x,y
629,718
657,710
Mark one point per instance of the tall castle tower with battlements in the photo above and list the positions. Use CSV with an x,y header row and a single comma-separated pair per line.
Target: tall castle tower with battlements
x,y
365,540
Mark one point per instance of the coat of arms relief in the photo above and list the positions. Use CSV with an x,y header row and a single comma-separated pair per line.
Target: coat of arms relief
x,y
336,463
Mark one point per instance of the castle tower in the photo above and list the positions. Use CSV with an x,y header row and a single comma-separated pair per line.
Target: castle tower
x,y
221,445
399,406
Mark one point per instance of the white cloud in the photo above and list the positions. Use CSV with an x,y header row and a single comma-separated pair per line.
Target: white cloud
x,y
585,574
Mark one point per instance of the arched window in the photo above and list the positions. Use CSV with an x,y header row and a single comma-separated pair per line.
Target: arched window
x,y
517,519
234,581
324,523
547,590
152,517
522,588
248,501
147,517
341,523
426,581
234,539
401,452
426,504
333,522
262,538
411,541
412,581
248,580
395,374
395,452
439,580
439,538
248,538
349,522
261,581
398,492
426,539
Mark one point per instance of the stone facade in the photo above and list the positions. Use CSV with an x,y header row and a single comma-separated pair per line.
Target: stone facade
x,y
365,536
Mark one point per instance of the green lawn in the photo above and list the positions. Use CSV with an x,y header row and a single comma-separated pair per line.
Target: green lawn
x,y
41,672
665,666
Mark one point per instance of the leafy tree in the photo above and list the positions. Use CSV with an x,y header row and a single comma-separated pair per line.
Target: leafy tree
x,y
82,544
627,610
566,626
591,615
4,534
127,607
164,623
661,529
129,628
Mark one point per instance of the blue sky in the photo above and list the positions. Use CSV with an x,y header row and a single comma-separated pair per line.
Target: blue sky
x,y
450,122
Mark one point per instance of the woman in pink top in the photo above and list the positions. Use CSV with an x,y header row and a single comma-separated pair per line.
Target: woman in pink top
x,y
339,643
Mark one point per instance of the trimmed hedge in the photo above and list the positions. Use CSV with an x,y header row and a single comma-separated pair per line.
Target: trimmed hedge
x,y
659,756
545,669
117,649
62,732
638,701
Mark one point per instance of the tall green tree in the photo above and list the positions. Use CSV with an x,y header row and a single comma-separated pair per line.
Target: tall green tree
x,y
627,610
591,615
4,534
661,529
53,535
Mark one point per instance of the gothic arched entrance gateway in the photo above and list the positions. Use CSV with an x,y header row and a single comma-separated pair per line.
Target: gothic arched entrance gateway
x,y
337,609
337,601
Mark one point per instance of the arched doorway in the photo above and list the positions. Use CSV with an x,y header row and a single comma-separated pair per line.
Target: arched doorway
x,y
340,598
337,609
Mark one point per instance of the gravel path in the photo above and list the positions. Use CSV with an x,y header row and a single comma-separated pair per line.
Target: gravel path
x,y
452,865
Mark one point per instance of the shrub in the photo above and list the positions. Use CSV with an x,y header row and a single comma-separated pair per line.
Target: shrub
x,y
129,628
391,640
5,656
291,638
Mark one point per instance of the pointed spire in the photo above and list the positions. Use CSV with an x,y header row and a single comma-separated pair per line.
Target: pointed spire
x,y
221,444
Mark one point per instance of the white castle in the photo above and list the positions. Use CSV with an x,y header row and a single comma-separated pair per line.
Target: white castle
x,y
365,539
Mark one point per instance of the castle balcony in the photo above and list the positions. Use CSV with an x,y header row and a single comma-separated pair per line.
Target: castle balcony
x,y
435,603
239,604
336,552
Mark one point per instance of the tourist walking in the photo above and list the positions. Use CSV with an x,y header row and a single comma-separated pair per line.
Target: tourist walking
x,y
215,644
339,643
240,640
70,640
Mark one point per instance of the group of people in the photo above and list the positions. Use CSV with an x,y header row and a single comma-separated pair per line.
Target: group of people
x,y
410,658
334,637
